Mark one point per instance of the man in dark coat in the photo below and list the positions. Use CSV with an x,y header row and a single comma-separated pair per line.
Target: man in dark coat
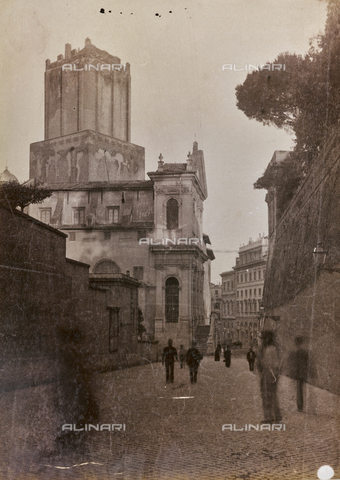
x,y
300,370
251,355
168,357
227,356
193,360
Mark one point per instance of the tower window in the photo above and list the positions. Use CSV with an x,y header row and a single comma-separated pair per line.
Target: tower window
x,y
172,214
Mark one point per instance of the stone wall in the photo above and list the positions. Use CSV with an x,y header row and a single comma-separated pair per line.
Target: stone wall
x,y
304,297
48,307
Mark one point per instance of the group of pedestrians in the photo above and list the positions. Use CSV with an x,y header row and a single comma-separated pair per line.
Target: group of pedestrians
x,y
192,357
227,354
299,367
268,365
251,355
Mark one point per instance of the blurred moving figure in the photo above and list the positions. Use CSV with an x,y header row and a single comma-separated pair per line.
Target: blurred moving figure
x,y
268,366
182,355
75,402
300,368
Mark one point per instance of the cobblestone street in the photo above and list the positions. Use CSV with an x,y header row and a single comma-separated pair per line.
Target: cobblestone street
x,y
174,431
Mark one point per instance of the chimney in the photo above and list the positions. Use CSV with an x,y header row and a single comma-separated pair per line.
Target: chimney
x,y
68,50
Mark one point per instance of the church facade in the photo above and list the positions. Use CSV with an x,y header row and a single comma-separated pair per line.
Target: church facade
x,y
116,220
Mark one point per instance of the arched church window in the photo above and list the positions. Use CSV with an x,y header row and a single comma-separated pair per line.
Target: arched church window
x,y
172,214
106,266
171,300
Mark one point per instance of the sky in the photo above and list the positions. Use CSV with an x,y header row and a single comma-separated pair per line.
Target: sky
x,y
180,92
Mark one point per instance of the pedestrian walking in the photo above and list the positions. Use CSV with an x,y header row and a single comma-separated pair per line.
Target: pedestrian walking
x,y
251,355
268,366
182,354
218,352
227,356
300,369
193,359
168,358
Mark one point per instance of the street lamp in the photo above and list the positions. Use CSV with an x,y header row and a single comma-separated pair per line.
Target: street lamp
x,y
319,257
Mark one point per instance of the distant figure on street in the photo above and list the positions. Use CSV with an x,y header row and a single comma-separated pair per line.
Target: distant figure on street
x,y
193,359
168,357
251,355
182,355
218,352
227,356
299,369
268,366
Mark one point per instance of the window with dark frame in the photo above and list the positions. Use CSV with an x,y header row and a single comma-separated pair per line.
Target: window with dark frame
x,y
112,215
172,214
79,216
171,300
45,215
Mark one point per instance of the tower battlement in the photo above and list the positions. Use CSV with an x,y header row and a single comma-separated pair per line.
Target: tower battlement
x,y
87,89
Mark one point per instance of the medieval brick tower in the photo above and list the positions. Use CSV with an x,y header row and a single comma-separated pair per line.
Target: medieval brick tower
x,y
87,89
116,220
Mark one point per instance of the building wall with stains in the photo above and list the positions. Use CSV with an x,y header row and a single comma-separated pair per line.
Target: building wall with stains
x,y
86,157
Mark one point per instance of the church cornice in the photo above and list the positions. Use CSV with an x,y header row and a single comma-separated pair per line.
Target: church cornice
x,y
191,176
173,250
111,228
98,186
